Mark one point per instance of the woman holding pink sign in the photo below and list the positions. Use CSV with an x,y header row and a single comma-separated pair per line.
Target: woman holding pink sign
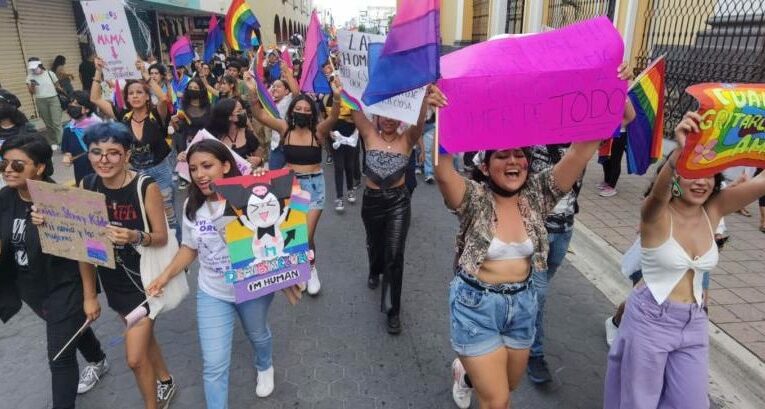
x,y
49,285
204,218
502,236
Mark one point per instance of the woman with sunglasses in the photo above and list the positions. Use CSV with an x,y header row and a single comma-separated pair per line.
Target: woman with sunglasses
x,y
302,137
49,285
147,123
109,153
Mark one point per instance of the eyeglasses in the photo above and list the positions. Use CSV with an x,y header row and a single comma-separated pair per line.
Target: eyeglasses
x,y
97,155
17,165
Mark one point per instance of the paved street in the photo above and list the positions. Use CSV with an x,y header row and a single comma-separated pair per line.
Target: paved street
x,y
332,351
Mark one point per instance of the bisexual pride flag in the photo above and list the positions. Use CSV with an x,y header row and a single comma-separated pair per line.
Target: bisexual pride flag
x,y
316,55
214,39
409,58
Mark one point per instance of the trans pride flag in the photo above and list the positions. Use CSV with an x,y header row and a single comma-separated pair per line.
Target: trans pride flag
x,y
646,133
410,57
240,23
316,55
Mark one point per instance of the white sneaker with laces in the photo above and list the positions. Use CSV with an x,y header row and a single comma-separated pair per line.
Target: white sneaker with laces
x,y
611,331
265,384
607,191
91,374
351,196
314,285
339,206
601,185
165,393
461,393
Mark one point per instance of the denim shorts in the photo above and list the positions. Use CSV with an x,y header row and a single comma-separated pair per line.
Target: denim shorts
x,y
313,183
483,321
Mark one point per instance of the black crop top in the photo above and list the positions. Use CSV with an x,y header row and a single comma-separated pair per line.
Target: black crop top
x,y
301,154
152,149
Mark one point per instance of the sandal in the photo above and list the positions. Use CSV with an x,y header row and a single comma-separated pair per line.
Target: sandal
x,y
744,212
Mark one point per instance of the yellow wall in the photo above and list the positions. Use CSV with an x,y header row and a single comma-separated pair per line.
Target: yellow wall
x,y
448,21
267,10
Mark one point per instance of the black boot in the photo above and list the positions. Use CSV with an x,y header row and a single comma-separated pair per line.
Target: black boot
x,y
394,324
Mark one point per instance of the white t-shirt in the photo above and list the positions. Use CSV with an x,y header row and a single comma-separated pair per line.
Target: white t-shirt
x,y
282,107
45,84
205,236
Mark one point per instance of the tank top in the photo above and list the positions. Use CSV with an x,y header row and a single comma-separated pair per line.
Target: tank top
x,y
124,209
385,168
302,154
664,266
152,148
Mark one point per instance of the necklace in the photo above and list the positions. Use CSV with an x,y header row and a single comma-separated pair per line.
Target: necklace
x,y
138,121
124,178
388,141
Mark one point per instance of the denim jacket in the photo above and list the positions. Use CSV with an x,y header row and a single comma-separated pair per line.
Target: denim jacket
x,y
478,220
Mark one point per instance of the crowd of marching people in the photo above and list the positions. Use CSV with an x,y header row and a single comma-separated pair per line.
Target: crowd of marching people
x,y
515,208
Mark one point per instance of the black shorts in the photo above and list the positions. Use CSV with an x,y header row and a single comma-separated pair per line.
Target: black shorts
x,y
122,294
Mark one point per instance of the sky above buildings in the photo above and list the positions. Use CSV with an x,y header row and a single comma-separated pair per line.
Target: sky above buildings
x,y
344,10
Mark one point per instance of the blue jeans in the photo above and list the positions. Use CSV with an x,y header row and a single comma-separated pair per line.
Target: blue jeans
x,y
162,173
558,248
314,184
215,318
483,321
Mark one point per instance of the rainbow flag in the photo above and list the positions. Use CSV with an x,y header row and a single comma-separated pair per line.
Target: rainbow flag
x,y
646,133
264,96
348,101
410,56
240,23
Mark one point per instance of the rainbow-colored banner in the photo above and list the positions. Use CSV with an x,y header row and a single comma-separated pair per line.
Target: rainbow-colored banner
x,y
646,133
350,102
265,97
240,23
732,129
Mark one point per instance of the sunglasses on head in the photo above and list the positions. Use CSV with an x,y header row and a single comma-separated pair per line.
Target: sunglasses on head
x,y
16,165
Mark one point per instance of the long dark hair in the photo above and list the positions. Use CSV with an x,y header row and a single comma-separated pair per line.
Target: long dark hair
x,y
219,118
223,154
57,62
204,101
314,115
35,147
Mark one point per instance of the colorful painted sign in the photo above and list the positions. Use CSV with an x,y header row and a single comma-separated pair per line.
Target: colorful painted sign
x,y
268,241
554,87
75,223
353,66
732,129
111,35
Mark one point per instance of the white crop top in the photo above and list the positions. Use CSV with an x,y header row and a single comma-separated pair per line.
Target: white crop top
x,y
665,265
499,250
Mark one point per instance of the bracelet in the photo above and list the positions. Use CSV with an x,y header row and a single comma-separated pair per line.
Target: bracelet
x,y
139,240
97,80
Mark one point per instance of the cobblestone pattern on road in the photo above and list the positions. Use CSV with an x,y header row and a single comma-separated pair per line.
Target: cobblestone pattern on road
x,y
737,286
332,351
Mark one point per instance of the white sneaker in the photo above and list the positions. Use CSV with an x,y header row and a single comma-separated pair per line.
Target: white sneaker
x,y
351,196
611,330
339,206
461,393
601,185
91,374
265,383
314,285
607,191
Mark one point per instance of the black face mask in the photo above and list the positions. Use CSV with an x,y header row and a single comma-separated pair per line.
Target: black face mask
x,y
301,120
193,93
241,120
74,112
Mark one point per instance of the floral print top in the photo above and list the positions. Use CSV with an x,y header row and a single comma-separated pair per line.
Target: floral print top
x,y
478,220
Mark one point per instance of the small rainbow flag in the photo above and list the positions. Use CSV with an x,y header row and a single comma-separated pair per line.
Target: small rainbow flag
x,y
646,133
264,96
240,23
348,101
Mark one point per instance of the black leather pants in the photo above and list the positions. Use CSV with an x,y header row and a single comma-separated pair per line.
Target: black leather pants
x,y
386,214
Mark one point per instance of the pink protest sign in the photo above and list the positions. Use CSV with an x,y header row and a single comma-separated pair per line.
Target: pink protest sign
x,y
555,87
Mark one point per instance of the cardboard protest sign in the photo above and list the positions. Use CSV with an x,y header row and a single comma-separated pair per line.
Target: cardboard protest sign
x,y
182,168
554,87
354,63
268,241
111,36
75,223
732,129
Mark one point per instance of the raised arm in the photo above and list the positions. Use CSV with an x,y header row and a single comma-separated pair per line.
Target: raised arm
x,y
363,124
328,124
156,89
733,198
279,125
289,76
96,96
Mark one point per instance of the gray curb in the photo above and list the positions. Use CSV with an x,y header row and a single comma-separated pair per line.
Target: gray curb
x,y
737,376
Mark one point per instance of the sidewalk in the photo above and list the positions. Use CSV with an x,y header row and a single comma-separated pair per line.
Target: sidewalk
x,y
737,287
